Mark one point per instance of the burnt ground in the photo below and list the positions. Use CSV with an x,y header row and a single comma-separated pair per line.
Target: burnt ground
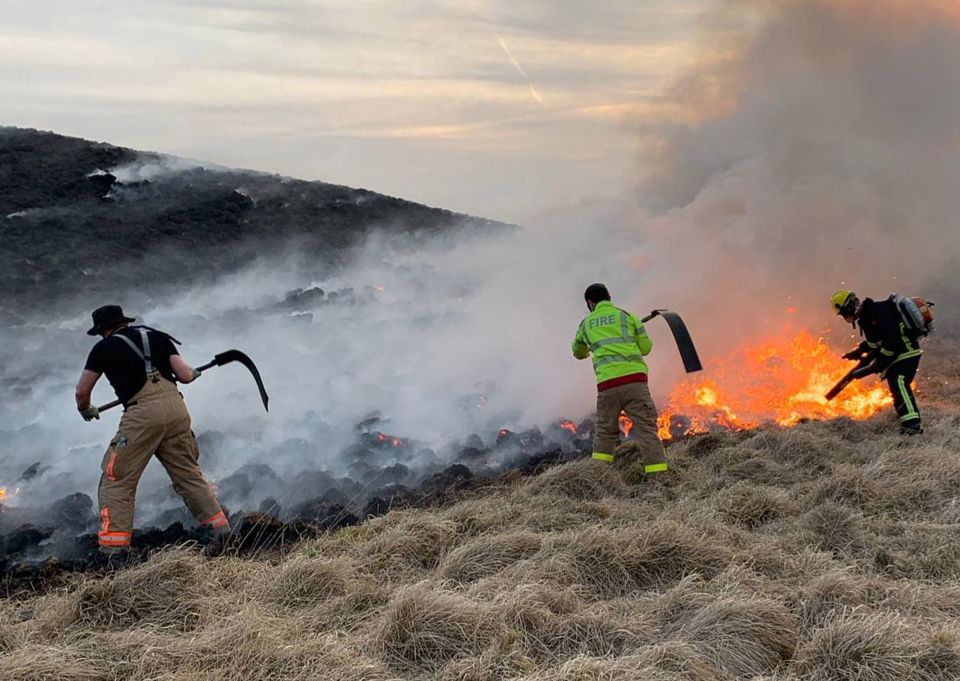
x,y
41,548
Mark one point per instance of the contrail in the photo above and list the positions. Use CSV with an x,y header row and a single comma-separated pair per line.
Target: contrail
x,y
506,50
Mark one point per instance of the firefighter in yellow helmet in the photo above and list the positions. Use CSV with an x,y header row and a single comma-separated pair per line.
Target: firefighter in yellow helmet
x,y
618,343
888,349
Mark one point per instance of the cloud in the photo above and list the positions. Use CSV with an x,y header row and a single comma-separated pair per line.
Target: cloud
x,y
224,81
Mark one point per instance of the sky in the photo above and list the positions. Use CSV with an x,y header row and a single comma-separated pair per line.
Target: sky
x,y
509,110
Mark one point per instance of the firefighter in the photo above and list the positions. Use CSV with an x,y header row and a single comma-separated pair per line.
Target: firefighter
x,y
888,349
618,343
142,365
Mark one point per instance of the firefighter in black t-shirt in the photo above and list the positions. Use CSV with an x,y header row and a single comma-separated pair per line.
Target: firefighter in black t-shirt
x,y
888,349
142,365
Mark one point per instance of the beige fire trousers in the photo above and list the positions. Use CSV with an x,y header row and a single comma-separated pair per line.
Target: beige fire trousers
x,y
155,422
633,399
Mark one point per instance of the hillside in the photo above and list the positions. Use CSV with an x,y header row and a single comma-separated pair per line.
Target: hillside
x,y
84,216
830,550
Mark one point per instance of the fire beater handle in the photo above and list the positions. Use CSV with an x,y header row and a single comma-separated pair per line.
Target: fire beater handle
x,y
688,352
848,378
219,360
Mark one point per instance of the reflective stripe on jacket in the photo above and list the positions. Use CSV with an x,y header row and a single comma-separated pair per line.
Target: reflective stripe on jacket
x,y
616,339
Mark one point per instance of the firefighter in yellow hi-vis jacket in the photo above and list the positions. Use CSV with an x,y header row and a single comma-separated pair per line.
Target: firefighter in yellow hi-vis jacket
x,y
618,343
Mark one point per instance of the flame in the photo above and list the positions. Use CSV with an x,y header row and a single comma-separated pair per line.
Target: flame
x,y
781,380
569,425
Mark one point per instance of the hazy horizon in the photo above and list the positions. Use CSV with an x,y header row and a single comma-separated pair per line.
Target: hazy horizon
x,y
505,111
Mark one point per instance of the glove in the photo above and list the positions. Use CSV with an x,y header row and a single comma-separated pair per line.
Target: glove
x,y
90,413
856,354
862,372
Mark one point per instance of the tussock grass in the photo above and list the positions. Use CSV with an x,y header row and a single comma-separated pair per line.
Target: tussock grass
x,y
424,626
485,556
584,480
167,592
830,551
619,562
304,582
878,647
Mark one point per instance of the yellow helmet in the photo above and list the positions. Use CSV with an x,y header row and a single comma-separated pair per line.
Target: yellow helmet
x,y
840,299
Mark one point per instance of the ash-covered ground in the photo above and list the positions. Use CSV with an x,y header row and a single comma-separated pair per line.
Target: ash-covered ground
x,y
370,319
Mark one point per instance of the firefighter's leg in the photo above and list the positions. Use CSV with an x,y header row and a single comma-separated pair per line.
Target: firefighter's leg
x,y
641,410
606,435
128,454
180,456
899,379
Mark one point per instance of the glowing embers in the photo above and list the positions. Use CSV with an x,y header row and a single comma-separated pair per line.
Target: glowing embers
x,y
781,380
388,440
7,495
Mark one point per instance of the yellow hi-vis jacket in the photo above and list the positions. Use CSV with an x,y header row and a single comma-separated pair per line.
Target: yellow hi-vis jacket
x,y
617,341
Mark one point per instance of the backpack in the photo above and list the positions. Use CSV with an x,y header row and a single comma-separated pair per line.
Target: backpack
x,y
917,314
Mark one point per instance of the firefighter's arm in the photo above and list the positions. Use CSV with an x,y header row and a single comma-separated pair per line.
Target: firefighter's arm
x,y
83,392
183,371
861,351
883,359
882,356
580,348
644,342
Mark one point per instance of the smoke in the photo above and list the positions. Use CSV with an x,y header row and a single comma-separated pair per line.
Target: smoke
x,y
817,148
157,167
814,145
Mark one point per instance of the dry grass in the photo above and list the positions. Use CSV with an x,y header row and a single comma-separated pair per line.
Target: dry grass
x,y
826,552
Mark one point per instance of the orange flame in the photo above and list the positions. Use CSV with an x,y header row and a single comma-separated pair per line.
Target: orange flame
x,y
781,380
568,425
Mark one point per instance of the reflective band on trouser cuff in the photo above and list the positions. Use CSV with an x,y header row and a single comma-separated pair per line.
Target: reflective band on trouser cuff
x,y
216,521
600,456
905,396
655,468
114,538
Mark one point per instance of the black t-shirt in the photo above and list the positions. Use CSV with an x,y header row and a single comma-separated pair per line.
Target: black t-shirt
x,y
124,368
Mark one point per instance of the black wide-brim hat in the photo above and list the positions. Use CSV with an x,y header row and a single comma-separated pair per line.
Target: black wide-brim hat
x,y
107,317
